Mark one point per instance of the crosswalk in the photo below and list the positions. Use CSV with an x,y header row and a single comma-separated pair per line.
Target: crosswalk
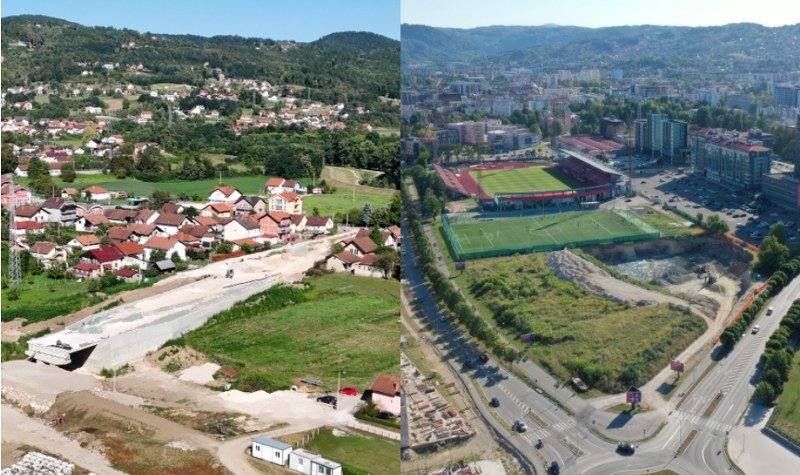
x,y
537,432
744,362
697,419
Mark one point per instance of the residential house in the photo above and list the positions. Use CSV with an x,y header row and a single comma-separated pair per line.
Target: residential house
x,y
133,254
170,223
83,243
386,393
250,205
107,257
387,238
61,211
90,223
128,275
47,252
368,266
32,213
146,216
275,226
171,208
397,235
142,232
88,208
86,270
224,194
96,193
21,230
318,225
241,227
298,223
360,245
344,261
170,245
217,210
15,194
205,235
289,202
120,216
119,234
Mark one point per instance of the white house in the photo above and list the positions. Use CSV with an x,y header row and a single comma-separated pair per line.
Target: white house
x,y
318,225
240,228
271,450
386,393
171,223
96,193
309,463
224,194
170,246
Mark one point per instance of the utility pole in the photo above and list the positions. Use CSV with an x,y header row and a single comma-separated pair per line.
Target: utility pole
x,y
14,268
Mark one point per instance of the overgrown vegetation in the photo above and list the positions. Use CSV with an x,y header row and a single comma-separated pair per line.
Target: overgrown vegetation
x,y
334,322
777,358
358,452
15,350
609,345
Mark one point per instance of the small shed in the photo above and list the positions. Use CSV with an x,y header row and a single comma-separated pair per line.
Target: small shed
x,y
165,266
274,451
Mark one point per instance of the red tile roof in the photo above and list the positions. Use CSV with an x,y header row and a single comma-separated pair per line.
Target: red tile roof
x,y
386,384
126,273
169,219
104,254
28,225
226,190
160,242
26,211
347,257
88,240
275,181
42,247
129,248
86,267
317,221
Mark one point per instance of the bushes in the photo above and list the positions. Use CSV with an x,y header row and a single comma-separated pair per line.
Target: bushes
x,y
777,357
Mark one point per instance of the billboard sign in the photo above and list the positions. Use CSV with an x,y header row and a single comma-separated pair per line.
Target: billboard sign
x,y
527,338
676,366
633,396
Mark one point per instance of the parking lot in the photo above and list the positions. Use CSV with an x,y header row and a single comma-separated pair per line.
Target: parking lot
x,y
692,194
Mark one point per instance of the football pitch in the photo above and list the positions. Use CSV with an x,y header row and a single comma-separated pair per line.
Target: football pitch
x,y
485,237
522,180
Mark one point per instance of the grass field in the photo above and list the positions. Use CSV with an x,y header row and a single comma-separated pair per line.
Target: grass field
x,y
610,345
787,422
339,202
667,222
522,180
358,452
43,298
341,322
540,232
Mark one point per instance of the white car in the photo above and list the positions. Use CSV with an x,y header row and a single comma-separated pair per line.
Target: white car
x,y
755,329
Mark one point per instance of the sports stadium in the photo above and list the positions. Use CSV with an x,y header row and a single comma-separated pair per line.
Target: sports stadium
x,y
566,195
515,185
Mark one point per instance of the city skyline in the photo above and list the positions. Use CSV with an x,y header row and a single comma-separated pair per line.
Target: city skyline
x,y
247,18
474,13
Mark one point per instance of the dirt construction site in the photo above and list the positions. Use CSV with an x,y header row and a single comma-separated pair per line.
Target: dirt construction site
x,y
148,420
709,275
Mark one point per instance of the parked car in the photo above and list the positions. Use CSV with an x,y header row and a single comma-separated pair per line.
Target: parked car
x,y
519,426
770,310
554,468
755,329
328,399
349,391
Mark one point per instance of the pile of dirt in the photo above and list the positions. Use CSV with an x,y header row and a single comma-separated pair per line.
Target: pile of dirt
x,y
567,266
175,358
22,384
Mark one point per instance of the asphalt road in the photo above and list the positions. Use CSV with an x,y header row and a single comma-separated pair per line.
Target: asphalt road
x,y
563,434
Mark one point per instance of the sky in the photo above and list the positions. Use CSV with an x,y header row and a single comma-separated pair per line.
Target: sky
x,y
299,20
598,13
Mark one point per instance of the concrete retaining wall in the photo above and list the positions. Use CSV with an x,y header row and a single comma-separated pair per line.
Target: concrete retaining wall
x,y
125,347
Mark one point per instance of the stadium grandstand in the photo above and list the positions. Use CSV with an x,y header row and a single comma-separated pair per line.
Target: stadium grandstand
x,y
573,180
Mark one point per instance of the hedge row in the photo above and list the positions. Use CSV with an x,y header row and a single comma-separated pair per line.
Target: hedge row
x,y
444,290
777,357
776,282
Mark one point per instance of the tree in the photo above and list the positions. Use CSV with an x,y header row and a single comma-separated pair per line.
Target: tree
x,y
431,205
90,133
376,235
8,159
190,211
366,214
315,211
336,248
158,198
158,255
716,225
68,172
386,262
699,217
779,231
765,393
772,255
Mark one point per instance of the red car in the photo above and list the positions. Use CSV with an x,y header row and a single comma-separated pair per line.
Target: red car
x,y
349,391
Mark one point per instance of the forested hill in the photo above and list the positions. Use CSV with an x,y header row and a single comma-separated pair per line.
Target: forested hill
x,y
348,65
745,46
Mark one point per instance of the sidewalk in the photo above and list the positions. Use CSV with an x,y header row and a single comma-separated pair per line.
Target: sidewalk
x,y
754,451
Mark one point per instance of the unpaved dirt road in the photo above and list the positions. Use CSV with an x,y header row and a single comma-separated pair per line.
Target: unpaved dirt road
x,y
21,429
